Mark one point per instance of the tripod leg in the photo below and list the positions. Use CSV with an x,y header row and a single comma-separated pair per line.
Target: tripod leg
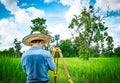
x,y
55,55
57,52
65,68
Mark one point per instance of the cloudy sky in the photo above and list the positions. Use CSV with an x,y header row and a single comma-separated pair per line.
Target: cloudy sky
x,y
16,16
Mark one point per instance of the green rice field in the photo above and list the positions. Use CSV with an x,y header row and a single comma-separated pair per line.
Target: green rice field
x,y
95,70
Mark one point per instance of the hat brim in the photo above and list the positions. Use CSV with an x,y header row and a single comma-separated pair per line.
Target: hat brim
x,y
27,40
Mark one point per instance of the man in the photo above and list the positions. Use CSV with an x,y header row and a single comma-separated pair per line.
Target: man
x,y
36,61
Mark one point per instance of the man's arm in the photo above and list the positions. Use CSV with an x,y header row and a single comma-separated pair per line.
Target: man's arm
x,y
51,64
23,64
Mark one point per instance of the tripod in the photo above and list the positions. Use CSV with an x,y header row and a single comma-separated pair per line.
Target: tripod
x,y
56,53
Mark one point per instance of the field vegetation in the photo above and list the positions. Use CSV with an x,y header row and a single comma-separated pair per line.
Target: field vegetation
x,y
94,70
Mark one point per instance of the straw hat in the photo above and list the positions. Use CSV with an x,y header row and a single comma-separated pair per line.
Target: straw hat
x,y
35,36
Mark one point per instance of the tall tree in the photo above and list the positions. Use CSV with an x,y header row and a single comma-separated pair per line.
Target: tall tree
x,y
39,25
17,47
91,29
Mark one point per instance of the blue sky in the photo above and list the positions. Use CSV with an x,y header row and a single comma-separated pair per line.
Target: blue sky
x,y
16,16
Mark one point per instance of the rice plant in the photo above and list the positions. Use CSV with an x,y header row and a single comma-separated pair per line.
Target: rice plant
x,y
95,70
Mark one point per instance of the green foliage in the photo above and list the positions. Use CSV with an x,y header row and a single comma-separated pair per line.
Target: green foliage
x,y
94,51
39,25
117,51
76,45
17,47
67,48
9,53
11,70
83,47
91,30
96,70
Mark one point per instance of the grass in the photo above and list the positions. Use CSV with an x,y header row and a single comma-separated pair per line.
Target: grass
x,y
11,70
95,70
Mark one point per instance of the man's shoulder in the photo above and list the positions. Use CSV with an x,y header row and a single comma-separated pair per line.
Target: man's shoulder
x,y
37,52
46,51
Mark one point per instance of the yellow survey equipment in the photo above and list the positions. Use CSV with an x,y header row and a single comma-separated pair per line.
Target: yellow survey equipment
x,y
57,52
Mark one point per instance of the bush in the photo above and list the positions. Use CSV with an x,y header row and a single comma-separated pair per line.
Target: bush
x,y
117,51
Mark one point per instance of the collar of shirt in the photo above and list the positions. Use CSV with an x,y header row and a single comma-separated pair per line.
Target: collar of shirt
x,y
35,47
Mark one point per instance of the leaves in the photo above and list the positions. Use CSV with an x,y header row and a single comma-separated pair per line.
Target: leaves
x,y
105,34
66,47
91,29
39,25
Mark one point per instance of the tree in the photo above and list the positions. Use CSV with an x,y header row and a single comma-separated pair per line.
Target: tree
x,y
94,51
67,48
17,47
91,29
109,50
117,51
83,47
76,44
39,25
11,51
8,52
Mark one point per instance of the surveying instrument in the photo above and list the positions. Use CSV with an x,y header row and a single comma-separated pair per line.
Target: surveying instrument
x,y
56,53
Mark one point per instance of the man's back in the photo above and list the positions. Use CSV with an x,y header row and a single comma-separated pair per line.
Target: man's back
x,y
36,62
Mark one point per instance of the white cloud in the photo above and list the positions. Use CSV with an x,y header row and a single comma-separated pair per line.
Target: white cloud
x,y
8,32
21,16
10,5
116,42
114,29
118,28
104,4
113,23
74,10
60,29
25,15
67,2
116,37
48,1
75,7
33,12
24,4
17,26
